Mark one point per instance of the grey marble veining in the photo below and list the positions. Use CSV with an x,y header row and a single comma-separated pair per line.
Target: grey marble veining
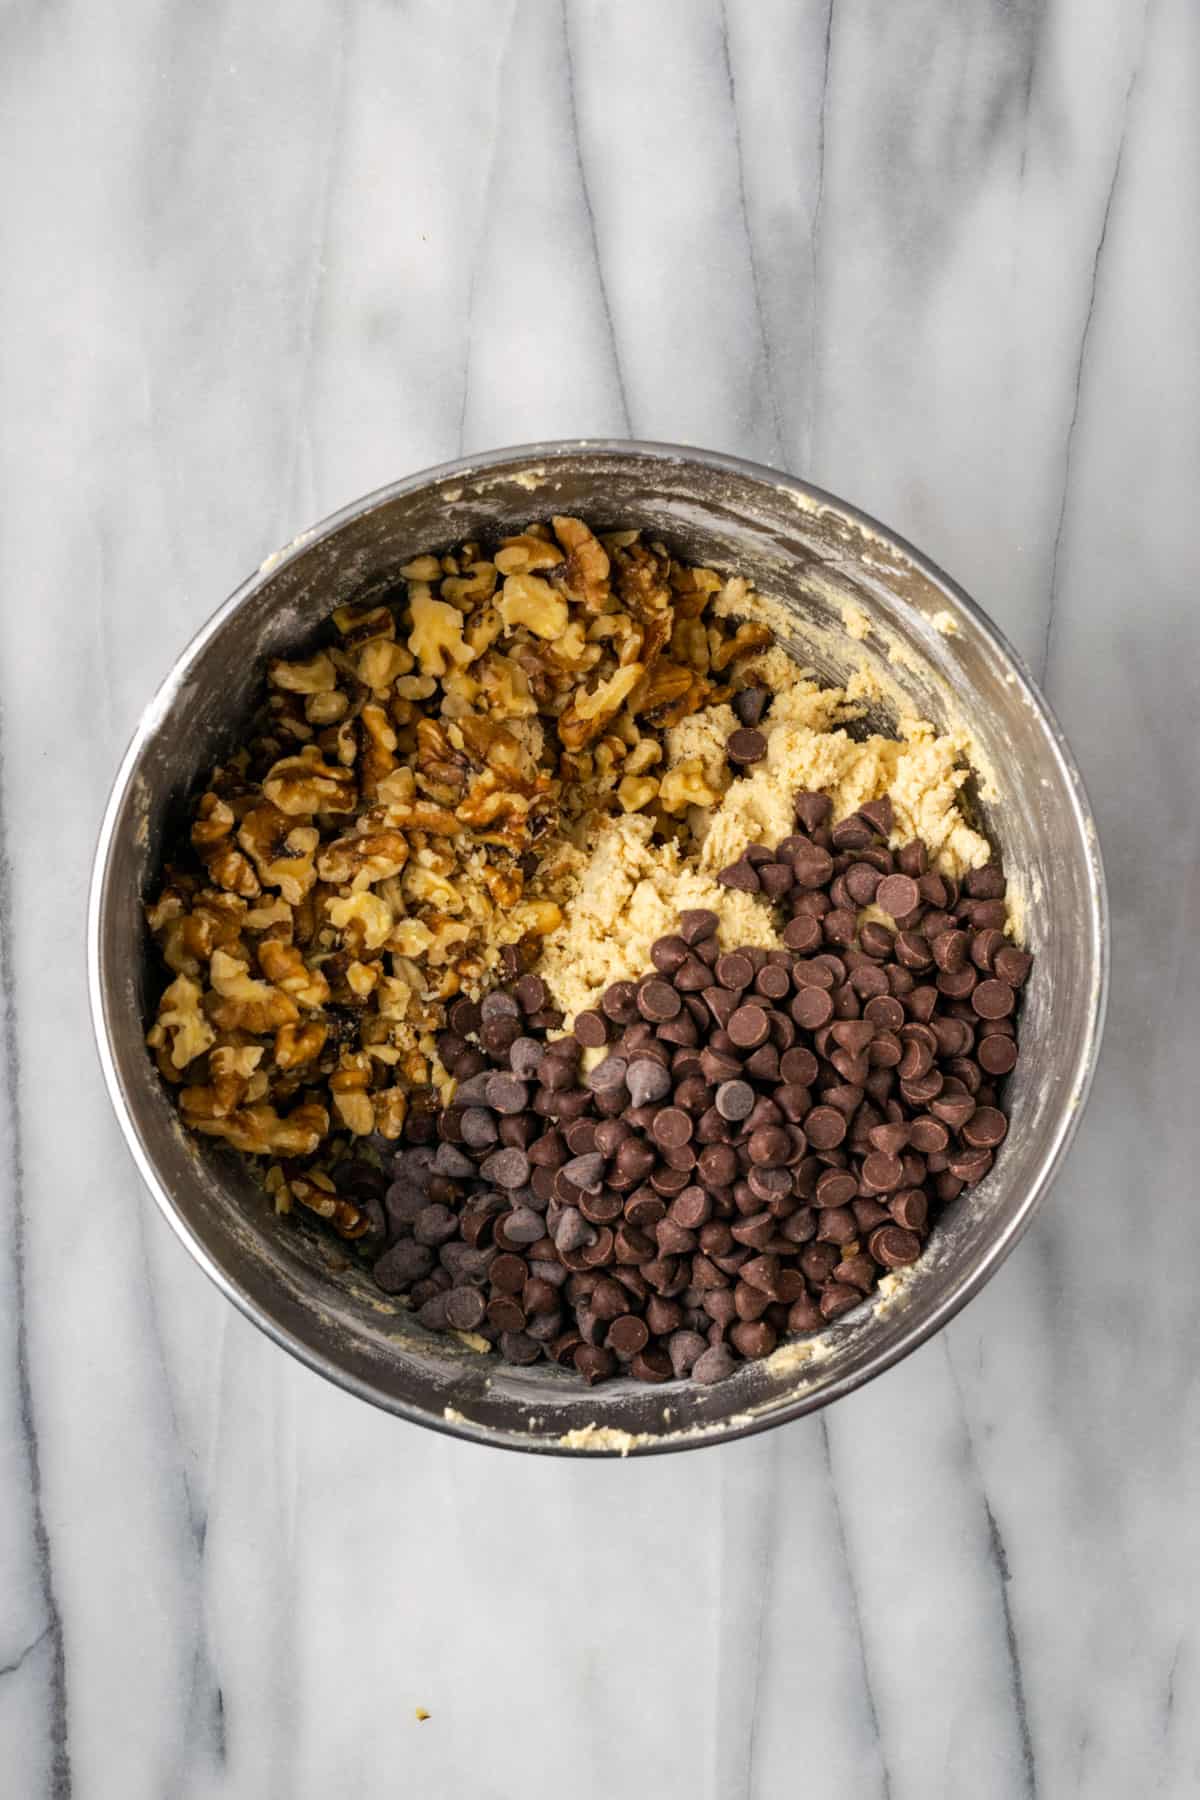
x,y
944,260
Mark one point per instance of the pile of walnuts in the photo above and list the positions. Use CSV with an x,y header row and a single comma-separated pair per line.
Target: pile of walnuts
x,y
377,846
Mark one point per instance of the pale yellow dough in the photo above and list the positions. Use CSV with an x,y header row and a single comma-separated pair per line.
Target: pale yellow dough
x,y
623,890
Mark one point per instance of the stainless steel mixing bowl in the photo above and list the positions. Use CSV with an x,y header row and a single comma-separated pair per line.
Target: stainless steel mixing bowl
x,y
815,555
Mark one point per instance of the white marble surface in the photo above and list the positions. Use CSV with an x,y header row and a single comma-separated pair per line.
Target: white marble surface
x,y
943,259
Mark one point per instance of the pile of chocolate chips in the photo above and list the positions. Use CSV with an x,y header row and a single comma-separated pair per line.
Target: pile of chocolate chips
x,y
766,1133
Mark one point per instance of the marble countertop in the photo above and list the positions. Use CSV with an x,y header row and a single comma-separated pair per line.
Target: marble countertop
x,y
944,260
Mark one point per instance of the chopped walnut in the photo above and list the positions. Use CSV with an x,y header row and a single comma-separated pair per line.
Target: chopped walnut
x,y
636,792
436,639
533,603
231,1069
586,575
359,624
316,676
586,716
381,662
316,1192
363,858
686,785
284,965
259,1130
306,784
297,1044
365,919
240,1002
181,1025
281,850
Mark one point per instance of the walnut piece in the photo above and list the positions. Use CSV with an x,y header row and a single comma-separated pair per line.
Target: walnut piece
x,y
586,574
316,676
281,851
533,603
436,638
181,1025
306,784
588,713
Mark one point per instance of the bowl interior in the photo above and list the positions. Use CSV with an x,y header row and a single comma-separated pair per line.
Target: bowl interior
x,y
815,557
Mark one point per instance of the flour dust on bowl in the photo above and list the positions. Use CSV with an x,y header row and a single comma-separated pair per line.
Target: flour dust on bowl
x,y
864,614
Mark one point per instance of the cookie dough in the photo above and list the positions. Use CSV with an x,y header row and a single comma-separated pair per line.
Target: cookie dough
x,y
621,890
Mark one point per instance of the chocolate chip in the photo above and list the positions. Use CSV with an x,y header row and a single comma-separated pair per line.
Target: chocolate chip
x,y
627,1335
862,883
909,1208
586,1172
693,976
452,1163
745,746
897,895
875,939
812,1008
992,999
773,983
465,1308
497,1034
594,1362
853,833
987,883
591,1029
812,866
696,924
893,1246
750,703
734,970
775,880
657,1000
798,1067
734,1099
607,1076
684,1349
523,1226
836,1187
879,815
812,809
740,876
672,1128
646,1081
802,934
985,1128
403,1264
825,1127
929,1136
715,1364
669,953
651,1364
838,1297
997,1055
508,1168
464,1017
1012,965
505,1094
498,1005
619,1002
748,1026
